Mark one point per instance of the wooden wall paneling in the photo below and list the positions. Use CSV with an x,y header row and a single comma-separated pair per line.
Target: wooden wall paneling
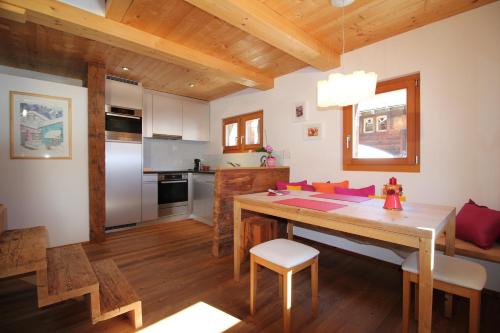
x,y
3,218
231,182
116,9
97,181
67,18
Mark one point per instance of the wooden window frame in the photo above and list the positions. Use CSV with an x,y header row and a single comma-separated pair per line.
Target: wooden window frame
x,y
409,164
241,147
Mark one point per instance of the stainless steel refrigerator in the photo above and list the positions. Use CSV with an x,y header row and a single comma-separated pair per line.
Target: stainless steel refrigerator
x,y
123,183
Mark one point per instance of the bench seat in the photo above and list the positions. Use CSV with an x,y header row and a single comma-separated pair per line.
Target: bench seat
x,y
467,249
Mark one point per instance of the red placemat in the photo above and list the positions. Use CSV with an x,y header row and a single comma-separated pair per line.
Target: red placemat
x,y
310,204
341,197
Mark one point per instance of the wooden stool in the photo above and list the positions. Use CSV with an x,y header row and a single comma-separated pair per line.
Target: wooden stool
x,y
284,257
256,230
451,275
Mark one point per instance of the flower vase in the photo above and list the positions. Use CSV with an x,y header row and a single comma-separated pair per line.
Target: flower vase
x,y
271,162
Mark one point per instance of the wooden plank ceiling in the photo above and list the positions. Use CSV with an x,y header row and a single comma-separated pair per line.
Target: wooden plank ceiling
x,y
241,42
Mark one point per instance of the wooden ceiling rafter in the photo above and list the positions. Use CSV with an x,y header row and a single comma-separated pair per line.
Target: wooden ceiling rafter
x,y
260,21
70,19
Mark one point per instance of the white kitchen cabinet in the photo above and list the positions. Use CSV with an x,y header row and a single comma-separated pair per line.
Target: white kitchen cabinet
x,y
147,114
123,95
149,197
195,121
167,116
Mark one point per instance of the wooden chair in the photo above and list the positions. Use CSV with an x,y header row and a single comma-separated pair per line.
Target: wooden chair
x,y
284,257
451,275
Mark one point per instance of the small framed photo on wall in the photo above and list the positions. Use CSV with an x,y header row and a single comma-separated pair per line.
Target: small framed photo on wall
x,y
40,126
300,111
313,131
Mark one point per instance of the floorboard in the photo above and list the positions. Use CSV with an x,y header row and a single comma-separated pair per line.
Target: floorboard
x,y
171,268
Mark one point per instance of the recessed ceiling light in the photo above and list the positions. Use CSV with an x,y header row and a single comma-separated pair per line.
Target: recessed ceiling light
x,y
341,3
125,68
191,85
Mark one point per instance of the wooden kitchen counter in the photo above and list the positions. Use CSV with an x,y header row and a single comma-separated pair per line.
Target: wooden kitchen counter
x,y
230,182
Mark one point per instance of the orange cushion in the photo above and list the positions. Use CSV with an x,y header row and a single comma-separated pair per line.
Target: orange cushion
x,y
329,187
294,188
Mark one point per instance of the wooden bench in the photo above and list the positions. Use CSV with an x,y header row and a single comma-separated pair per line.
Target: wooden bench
x,y
467,249
68,275
23,251
116,294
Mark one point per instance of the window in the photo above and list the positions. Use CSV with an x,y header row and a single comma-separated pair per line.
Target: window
x,y
242,133
383,132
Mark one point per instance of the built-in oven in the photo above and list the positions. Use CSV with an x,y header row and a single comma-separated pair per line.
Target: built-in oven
x,y
123,124
172,194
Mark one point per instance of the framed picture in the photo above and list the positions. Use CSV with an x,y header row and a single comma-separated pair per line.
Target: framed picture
x,y
313,131
40,126
300,112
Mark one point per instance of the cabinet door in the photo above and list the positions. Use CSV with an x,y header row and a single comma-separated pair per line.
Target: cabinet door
x,y
123,95
147,114
167,115
149,200
195,121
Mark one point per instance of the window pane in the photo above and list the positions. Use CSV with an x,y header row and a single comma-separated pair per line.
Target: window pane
x,y
379,126
252,132
231,135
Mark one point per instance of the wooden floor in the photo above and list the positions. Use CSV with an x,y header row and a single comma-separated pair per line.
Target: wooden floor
x,y
171,267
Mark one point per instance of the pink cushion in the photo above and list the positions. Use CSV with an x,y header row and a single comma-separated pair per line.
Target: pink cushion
x,y
359,192
281,185
307,187
478,224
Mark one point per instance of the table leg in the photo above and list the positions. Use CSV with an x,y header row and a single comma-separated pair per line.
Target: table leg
x,y
449,250
236,239
426,265
289,229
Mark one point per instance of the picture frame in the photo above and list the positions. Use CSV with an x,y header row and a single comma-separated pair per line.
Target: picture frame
x,y
300,112
40,126
312,131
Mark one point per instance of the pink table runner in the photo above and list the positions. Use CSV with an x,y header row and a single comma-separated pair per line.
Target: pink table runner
x,y
310,204
341,197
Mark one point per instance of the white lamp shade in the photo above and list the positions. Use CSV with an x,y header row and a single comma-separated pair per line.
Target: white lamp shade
x,y
342,90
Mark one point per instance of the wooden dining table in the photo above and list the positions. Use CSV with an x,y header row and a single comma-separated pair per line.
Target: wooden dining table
x,y
416,226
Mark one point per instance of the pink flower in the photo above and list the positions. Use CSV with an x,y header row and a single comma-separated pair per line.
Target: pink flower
x,y
269,149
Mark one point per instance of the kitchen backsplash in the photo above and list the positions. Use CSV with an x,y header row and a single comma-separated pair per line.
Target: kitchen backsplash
x,y
179,155
172,154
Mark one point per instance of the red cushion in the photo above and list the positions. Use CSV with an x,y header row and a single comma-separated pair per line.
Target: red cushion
x,y
281,185
359,192
478,224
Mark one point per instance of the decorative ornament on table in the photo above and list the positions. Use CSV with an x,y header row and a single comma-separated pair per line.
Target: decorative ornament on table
x,y
392,192
267,160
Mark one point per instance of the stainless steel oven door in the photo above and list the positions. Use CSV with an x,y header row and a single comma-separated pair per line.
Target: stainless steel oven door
x,y
172,193
123,124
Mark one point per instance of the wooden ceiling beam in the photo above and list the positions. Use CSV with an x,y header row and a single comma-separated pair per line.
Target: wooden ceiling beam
x,y
116,9
257,19
60,16
12,13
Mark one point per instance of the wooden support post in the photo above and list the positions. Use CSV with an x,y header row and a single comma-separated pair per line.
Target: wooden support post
x,y
97,210
449,250
474,312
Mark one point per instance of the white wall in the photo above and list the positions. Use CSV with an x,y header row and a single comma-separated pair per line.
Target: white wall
x,y
459,63
171,155
53,193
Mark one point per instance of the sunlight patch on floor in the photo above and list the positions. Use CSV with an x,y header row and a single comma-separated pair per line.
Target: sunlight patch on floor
x,y
199,317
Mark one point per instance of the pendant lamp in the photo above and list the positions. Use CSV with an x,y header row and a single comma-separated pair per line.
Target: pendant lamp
x,y
346,89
